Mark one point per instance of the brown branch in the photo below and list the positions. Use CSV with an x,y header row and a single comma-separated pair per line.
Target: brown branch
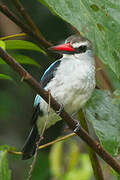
x,y
26,17
43,43
56,106
92,155
4,9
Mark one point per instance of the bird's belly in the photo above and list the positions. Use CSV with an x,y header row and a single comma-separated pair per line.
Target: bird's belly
x,y
72,99
73,95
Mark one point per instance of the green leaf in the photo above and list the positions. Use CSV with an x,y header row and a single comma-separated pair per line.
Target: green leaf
x,y
103,112
5,173
22,59
4,147
21,44
99,21
5,77
2,44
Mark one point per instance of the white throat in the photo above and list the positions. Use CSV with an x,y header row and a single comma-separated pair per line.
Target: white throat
x,y
85,58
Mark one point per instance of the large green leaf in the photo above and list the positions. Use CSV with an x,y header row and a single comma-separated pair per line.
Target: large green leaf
x,y
5,173
103,112
99,20
22,59
21,44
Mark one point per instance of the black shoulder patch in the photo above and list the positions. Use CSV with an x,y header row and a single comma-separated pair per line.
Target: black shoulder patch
x,y
49,73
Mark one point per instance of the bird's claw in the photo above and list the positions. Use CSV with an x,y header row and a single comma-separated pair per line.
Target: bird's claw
x,y
77,127
60,110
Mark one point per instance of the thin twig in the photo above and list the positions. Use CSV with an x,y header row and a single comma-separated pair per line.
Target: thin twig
x,y
47,144
56,106
13,36
92,155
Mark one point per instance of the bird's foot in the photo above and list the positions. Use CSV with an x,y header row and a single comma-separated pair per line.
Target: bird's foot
x,y
77,126
60,110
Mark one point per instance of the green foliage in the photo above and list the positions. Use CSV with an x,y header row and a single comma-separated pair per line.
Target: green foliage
x,y
69,164
21,44
103,112
97,20
22,59
5,77
117,92
13,45
4,147
2,44
5,173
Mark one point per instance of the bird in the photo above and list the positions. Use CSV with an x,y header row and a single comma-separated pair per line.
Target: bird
x,y
70,80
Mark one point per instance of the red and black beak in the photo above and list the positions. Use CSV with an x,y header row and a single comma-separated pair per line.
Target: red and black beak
x,y
63,48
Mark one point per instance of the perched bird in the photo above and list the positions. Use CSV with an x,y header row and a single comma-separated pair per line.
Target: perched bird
x,y
70,80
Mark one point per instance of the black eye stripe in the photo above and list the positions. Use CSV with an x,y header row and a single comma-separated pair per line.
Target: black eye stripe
x,y
81,49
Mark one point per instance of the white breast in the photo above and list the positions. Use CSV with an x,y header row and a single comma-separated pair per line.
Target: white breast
x,y
73,83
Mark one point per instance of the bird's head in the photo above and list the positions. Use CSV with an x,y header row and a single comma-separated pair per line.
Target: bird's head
x,y
74,45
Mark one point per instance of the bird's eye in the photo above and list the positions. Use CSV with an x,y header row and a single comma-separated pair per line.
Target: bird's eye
x,y
81,49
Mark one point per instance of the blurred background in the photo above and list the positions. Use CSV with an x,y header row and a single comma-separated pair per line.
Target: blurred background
x,y
64,160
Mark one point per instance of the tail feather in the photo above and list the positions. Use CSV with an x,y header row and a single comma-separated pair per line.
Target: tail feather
x,y
30,144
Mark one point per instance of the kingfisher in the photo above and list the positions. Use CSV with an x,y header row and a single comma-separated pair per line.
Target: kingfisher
x,y
70,80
